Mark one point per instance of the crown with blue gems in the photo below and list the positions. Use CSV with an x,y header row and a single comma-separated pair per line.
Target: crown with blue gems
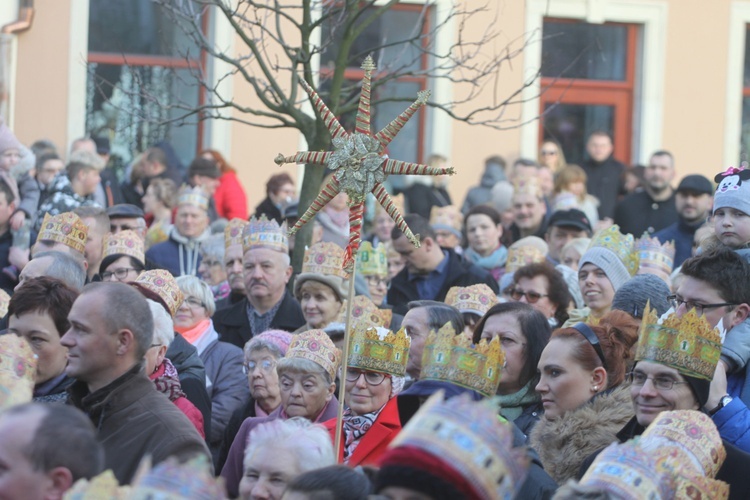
x,y
264,233
622,245
233,232
371,351
372,261
194,196
688,344
470,437
449,357
655,258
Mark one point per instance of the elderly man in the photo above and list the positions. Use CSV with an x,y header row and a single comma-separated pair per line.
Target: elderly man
x,y
97,221
423,317
233,263
111,328
430,271
125,216
54,264
267,303
45,449
529,209
180,254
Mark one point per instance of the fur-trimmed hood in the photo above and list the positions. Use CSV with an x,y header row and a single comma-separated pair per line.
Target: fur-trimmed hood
x,y
564,444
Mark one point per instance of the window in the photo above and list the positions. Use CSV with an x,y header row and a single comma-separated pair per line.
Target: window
x,y
140,61
745,131
588,82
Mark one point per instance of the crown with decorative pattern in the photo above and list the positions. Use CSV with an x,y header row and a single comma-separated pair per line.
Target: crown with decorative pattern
x,y
449,356
474,299
325,258
105,485
233,232
264,233
622,245
373,352
179,481
523,256
163,284
528,186
194,196
126,242
448,218
372,261
316,346
17,370
4,302
655,258
66,228
365,312
470,438
687,344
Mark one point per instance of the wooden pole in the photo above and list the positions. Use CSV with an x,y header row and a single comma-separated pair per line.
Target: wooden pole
x,y
344,363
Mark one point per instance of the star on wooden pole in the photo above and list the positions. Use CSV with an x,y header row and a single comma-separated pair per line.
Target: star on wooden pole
x,y
360,164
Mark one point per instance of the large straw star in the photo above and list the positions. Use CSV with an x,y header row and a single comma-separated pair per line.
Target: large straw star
x,y
360,163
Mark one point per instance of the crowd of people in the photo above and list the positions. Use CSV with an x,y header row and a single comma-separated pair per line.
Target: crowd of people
x,y
570,331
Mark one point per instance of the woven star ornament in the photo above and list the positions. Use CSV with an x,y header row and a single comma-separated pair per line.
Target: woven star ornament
x,y
360,163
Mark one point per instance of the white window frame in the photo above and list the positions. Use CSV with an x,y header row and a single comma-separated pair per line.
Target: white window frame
x,y
739,19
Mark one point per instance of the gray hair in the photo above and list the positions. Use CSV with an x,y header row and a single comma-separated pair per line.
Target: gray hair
x,y
65,268
578,244
302,365
309,443
255,345
213,247
192,286
163,324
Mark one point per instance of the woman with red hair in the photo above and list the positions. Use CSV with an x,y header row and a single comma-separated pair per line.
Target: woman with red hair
x,y
230,197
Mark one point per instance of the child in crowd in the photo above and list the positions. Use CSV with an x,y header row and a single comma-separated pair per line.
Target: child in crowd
x,y
570,192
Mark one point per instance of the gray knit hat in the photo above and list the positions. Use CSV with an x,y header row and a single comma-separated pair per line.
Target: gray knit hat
x,y
733,190
637,291
608,262
613,252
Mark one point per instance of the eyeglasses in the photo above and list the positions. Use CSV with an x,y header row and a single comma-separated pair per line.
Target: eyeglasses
x,y
376,281
120,274
549,153
372,378
662,383
266,366
677,301
531,297
193,302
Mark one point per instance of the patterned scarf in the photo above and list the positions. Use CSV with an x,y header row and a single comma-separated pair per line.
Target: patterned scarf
x,y
166,380
355,426
259,323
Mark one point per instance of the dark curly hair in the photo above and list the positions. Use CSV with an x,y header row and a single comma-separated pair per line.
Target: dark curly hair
x,y
557,289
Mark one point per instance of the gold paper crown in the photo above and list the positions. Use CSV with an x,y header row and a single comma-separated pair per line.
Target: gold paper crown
x,y
4,302
372,261
325,258
233,232
448,215
194,196
620,244
388,354
470,438
687,344
365,312
316,346
17,370
66,228
264,233
527,186
191,480
163,284
449,357
655,258
475,299
126,242
103,486
523,256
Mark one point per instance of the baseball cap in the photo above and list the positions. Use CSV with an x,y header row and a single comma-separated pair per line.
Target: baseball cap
x,y
697,184
570,218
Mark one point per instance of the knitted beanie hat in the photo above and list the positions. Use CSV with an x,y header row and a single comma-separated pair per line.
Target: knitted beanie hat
x,y
278,338
733,190
639,290
612,252
608,262
7,138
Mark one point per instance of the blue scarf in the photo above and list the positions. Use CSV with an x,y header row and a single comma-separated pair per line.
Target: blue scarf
x,y
493,262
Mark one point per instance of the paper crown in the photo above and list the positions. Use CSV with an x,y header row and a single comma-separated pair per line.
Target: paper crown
x,y
163,284
372,261
17,370
233,232
451,357
449,216
687,344
126,242
655,258
621,245
325,258
179,481
194,196
474,299
316,346
629,472
523,256
527,186
66,228
105,485
264,233
4,302
366,313
469,437
373,352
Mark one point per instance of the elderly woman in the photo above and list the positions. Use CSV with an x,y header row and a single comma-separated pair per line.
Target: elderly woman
x,y
211,269
123,257
38,312
543,288
279,451
306,381
162,372
371,419
321,286
523,333
225,380
585,405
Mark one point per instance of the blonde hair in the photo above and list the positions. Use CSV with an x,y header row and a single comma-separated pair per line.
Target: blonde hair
x,y
567,176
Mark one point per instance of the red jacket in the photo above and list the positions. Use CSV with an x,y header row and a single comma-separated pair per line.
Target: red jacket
x,y
375,441
230,197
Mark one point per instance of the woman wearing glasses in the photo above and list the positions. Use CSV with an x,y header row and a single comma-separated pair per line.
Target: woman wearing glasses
x,y
551,155
225,380
585,404
123,257
544,289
